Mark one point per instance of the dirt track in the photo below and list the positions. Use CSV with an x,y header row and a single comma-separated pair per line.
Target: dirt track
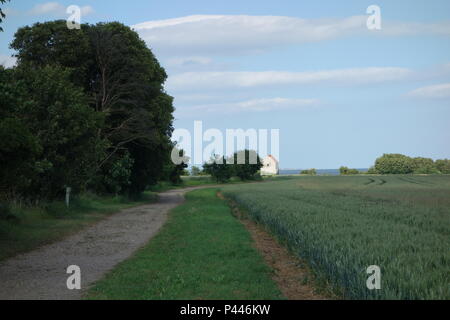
x,y
41,274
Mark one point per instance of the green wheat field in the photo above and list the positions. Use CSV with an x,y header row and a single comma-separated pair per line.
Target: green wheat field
x,y
342,225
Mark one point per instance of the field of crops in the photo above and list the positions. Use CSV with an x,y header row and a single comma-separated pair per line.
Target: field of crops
x,y
342,225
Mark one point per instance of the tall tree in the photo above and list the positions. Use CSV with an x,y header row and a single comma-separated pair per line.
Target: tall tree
x,y
443,166
63,147
123,81
246,164
219,169
19,147
394,164
52,43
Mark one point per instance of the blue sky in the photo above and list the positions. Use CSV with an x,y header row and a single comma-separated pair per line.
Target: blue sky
x,y
339,93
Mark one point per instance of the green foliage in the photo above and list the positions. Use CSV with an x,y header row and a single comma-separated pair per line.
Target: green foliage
x,y
424,166
343,224
128,86
49,133
346,171
372,170
94,102
443,166
246,164
66,128
401,164
19,149
52,43
243,164
195,171
219,169
394,164
177,170
118,177
310,172
5,212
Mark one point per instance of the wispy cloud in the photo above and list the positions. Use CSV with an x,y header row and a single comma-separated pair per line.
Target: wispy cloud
x,y
190,61
254,105
438,91
55,9
228,79
87,10
228,34
237,34
47,8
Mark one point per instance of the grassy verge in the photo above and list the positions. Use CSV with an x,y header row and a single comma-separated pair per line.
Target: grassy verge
x,y
202,252
29,227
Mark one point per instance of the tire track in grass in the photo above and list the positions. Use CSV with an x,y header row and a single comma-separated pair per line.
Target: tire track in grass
x,y
411,180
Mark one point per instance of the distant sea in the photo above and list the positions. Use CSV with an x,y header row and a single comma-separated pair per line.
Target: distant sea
x,y
333,172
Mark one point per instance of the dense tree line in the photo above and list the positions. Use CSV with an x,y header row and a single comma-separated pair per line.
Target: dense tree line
x,y
394,163
310,172
83,108
244,164
401,164
345,171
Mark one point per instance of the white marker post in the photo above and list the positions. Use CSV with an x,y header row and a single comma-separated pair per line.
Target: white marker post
x,y
68,189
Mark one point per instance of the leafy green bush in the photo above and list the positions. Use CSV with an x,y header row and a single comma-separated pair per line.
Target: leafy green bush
x,y
346,171
219,169
443,166
5,212
311,172
117,177
394,164
424,166
372,170
247,170
401,164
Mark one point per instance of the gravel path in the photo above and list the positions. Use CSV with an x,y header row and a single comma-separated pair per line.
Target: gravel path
x,y
41,274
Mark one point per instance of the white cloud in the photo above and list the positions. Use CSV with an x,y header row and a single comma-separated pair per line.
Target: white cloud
x,y
189,61
7,61
438,91
254,105
56,9
228,79
87,10
175,65
47,8
199,97
236,34
225,34
412,28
